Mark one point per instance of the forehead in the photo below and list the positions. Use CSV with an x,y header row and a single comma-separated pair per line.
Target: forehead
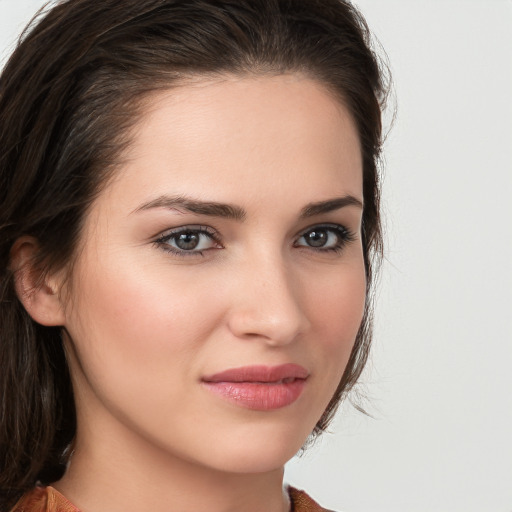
x,y
239,139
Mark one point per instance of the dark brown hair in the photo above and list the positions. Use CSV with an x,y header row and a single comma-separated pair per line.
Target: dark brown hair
x,y
68,96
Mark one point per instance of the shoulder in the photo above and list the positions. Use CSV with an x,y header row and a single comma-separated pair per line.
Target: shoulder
x,y
44,499
47,499
301,502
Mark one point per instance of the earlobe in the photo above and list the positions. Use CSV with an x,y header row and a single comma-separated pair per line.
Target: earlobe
x,y
37,290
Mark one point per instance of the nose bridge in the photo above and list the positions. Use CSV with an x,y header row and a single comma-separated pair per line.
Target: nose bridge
x,y
267,303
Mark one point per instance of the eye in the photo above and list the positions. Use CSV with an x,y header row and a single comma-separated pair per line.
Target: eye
x,y
188,240
330,237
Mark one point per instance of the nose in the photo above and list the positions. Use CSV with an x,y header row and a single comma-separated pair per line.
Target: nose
x,y
266,303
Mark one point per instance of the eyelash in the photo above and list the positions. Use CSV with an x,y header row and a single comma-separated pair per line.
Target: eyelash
x,y
344,237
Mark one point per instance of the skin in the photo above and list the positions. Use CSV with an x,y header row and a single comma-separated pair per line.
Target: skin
x,y
144,325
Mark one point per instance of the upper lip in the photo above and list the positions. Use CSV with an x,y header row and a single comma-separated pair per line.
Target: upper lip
x,y
259,373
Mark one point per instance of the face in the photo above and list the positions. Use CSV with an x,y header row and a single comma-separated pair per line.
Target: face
x,y
220,282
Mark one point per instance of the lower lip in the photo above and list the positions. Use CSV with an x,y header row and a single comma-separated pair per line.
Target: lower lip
x,y
258,395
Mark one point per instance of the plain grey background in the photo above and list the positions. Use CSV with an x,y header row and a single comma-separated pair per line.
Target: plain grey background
x,y
440,377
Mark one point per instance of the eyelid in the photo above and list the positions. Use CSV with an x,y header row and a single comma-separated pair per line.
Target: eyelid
x,y
326,225
200,228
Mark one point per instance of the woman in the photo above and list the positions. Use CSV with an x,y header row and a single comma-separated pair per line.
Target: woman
x,y
190,214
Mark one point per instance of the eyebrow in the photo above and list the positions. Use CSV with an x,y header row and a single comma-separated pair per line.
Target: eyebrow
x,y
209,208
330,205
230,211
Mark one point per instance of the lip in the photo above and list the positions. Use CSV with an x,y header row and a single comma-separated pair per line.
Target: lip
x,y
261,388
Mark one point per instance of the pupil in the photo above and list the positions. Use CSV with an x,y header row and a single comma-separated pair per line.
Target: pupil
x,y
187,241
317,238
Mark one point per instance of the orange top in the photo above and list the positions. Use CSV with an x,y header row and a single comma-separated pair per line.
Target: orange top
x,y
48,499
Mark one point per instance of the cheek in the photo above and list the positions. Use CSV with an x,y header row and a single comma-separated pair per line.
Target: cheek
x,y
137,336
137,323
336,310
337,306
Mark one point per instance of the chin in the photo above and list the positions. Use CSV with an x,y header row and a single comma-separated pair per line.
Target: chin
x,y
254,460
257,449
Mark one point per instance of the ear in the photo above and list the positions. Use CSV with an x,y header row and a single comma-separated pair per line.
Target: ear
x,y
38,291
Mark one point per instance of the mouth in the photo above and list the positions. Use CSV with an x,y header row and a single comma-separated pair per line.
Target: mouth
x,y
261,388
